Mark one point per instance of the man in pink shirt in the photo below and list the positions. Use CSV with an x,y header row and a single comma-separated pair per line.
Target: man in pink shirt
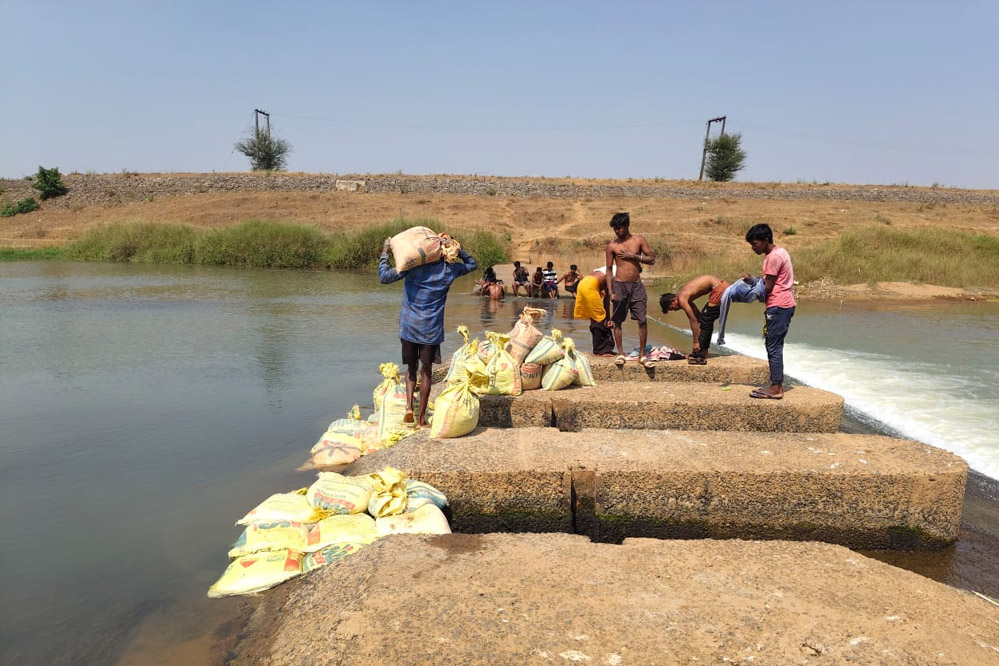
x,y
778,278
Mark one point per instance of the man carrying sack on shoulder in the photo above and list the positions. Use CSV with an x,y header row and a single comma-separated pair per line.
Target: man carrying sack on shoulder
x,y
421,320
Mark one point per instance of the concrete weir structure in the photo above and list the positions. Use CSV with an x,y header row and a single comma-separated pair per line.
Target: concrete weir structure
x,y
664,405
864,491
560,599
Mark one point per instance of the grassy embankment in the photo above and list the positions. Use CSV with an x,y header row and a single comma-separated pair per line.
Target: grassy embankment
x,y
871,254
258,244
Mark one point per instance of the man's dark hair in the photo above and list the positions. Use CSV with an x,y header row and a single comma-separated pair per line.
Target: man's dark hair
x,y
665,300
620,220
549,265
761,232
516,264
572,267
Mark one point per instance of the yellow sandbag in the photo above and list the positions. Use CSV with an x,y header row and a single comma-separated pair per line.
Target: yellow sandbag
x,y
330,554
523,336
256,573
456,410
337,438
428,519
584,373
468,353
458,357
562,372
357,528
391,381
279,535
353,425
388,492
338,494
548,350
530,376
419,245
502,371
391,413
282,506
335,455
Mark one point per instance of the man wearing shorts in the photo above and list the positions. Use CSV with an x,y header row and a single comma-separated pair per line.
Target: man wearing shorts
x,y
421,320
520,279
571,279
625,256
702,322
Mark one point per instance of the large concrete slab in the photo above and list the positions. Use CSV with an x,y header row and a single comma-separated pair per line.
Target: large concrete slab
x,y
733,369
559,599
662,405
865,491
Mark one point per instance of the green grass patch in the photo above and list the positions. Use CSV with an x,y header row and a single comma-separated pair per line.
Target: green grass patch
x,y
264,244
884,254
32,254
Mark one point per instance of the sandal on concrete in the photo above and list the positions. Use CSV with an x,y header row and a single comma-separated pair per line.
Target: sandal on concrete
x,y
697,360
620,360
646,363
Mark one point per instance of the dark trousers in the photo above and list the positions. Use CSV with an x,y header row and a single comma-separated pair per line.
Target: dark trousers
x,y
603,338
778,320
707,321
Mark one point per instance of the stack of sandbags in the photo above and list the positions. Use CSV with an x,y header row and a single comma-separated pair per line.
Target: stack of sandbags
x,y
293,533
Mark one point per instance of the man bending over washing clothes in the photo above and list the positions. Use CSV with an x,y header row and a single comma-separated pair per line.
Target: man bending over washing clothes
x,y
702,322
421,320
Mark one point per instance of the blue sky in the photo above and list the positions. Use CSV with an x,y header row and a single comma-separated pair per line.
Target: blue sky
x,y
851,92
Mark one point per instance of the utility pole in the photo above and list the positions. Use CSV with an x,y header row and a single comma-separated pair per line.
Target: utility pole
x,y
256,120
707,133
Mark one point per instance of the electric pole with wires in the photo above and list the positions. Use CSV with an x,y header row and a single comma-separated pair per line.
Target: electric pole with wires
x,y
707,134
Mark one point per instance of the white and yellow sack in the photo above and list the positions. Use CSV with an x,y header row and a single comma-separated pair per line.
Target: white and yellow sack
x,y
502,372
461,355
418,491
584,373
456,410
294,507
257,572
428,519
352,425
563,372
530,376
548,350
356,528
523,336
388,492
419,245
391,381
282,534
339,494
330,554
391,413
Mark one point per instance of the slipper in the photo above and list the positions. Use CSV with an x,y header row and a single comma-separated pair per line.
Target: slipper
x,y
763,395
646,363
697,360
620,360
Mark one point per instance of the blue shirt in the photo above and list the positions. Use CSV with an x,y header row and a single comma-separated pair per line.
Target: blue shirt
x,y
424,293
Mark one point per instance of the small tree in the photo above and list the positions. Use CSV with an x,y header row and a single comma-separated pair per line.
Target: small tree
x,y
725,157
266,153
49,183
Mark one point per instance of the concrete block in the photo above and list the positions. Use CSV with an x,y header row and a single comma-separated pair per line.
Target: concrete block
x,y
863,491
732,369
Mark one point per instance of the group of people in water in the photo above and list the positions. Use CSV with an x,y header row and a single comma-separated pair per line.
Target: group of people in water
x,y
606,297
542,284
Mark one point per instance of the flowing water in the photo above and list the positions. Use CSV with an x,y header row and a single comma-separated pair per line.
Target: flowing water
x,y
143,409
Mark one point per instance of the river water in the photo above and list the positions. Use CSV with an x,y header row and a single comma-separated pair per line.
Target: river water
x,y
143,409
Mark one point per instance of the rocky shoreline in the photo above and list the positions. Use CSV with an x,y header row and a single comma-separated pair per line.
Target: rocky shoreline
x,y
112,189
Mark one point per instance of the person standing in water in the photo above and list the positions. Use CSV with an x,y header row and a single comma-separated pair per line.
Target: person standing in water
x,y
625,256
778,279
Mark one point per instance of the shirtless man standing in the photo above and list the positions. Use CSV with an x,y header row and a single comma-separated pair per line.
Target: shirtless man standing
x,y
625,255
702,322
